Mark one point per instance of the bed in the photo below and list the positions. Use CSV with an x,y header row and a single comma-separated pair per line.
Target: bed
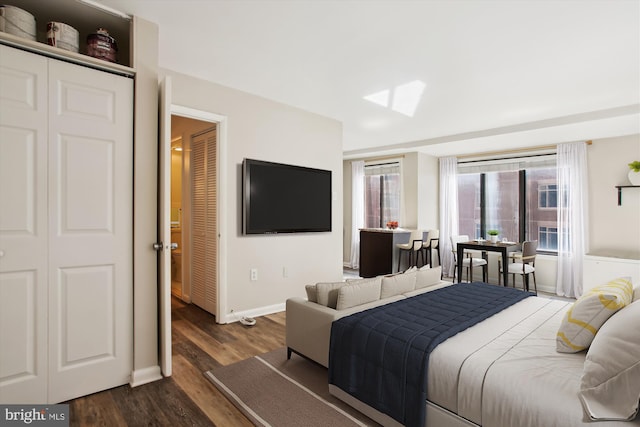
x,y
505,371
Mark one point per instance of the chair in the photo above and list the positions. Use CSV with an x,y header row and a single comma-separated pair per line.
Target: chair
x,y
469,261
430,243
414,246
523,264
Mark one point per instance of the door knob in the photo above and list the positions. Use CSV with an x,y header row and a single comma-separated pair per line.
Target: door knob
x,y
173,246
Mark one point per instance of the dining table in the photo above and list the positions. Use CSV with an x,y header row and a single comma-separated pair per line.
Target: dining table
x,y
487,246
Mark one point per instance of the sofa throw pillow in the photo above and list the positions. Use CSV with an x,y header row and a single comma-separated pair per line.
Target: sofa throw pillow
x,y
426,277
327,293
582,321
358,292
312,294
610,386
397,284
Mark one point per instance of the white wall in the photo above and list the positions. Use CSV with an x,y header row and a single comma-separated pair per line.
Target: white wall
x,y
266,130
145,209
614,230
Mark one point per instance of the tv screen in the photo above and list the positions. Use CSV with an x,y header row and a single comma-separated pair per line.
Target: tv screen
x,y
281,198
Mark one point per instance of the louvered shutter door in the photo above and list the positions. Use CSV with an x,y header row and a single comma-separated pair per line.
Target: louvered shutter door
x,y
204,221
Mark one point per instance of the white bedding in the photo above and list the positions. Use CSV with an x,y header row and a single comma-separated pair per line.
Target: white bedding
x,y
505,371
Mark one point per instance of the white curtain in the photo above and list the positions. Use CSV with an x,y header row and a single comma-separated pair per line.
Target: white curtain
x,y
573,205
357,210
448,211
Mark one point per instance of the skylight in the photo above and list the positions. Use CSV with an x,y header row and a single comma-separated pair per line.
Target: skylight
x,y
403,99
380,98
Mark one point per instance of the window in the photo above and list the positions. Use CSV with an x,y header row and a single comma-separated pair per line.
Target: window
x,y
547,196
469,205
502,203
518,197
381,194
548,237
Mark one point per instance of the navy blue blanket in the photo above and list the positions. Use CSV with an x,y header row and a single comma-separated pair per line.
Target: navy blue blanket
x,y
380,356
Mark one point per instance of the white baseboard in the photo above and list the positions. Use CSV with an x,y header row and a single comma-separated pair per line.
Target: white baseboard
x,y
235,316
145,375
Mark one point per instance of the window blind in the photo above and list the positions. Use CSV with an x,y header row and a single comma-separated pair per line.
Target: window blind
x,y
510,164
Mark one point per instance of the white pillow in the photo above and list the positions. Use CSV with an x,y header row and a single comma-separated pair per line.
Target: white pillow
x,y
636,294
589,312
358,292
610,386
426,277
582,321
397,284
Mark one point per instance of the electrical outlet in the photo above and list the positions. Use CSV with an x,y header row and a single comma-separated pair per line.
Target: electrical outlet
x,y
254,274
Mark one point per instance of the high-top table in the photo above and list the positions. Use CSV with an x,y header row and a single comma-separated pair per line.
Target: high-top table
x,y
501,247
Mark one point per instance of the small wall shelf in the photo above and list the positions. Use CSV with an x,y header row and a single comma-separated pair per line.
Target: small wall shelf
x,y
620,187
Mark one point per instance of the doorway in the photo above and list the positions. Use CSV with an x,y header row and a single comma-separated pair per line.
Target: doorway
x,y
172,117
193,211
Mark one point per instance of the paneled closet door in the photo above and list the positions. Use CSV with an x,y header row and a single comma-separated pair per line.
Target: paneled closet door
x,y
23,227
204,222
90,223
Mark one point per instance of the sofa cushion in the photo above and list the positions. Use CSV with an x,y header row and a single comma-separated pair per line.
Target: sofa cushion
x,y
397,284
312,293
327,293
358,292
426,277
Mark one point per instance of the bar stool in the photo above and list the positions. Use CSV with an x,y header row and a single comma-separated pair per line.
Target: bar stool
x,y
414,246
430,243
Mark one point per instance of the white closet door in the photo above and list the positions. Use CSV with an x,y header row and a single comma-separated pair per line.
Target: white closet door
x,y
90,223
23,227
204,236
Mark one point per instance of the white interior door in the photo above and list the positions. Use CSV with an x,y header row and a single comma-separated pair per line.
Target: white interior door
x,y
90,175
23,227
164,223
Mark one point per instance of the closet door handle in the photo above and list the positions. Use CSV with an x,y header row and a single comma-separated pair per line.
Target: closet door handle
x,y
173,246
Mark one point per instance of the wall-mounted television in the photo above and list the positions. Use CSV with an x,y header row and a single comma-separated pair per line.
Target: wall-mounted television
x,y
280,198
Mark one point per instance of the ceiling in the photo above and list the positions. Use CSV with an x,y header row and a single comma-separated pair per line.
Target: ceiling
x,y
497,74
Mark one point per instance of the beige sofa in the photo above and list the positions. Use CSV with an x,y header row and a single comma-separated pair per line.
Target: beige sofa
x,y
309,320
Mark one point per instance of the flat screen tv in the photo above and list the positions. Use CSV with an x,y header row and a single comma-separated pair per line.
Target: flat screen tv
x,y
279,198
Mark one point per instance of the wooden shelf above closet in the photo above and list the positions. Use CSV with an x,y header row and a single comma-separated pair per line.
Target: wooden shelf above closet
x,y
83,17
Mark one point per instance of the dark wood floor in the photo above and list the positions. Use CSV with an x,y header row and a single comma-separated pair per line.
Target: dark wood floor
x,y
186,398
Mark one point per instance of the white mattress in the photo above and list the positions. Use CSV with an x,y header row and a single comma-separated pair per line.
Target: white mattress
x,y
505,371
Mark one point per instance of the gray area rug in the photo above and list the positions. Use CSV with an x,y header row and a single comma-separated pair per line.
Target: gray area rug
x,y
273,391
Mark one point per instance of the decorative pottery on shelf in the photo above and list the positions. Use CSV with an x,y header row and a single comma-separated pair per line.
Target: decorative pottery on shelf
x,y
634,173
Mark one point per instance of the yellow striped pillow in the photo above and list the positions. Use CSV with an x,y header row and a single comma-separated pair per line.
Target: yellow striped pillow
x,y
589,312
